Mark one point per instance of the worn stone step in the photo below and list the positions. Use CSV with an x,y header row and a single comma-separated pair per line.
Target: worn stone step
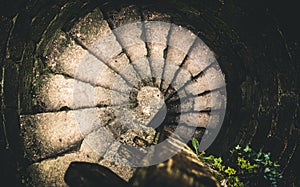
x,y
51,172
108,44
198,97
48,134
102,62
129,30
65,56
157,66
195,119
175,77
209,120
212,79
156,37
55,92
197,109
118,163
179,43
96,35
157,28
131,39
199,57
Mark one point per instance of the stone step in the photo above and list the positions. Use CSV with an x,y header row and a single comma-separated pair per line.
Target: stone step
x,y
156,37
117,162
96,35
102,61
89,29
50,172
177,40
48,134
175,77
212,79
194,109
109,44
129,30
66,57
157,28
195,119
199,57
179,43
55,92
213,100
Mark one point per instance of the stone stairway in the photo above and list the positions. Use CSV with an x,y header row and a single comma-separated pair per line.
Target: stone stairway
x,y
109,76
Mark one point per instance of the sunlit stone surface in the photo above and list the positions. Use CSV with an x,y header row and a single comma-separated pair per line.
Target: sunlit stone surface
x,y
115,85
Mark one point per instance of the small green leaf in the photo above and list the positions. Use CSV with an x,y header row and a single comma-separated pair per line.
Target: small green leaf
x,y
257,160
195,144
230,171
238,147
276,164
267,156
267,170
202,153
210,157
259,154
247,149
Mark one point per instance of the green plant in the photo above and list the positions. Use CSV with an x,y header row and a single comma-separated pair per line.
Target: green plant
x,y
262,164
229,173
246,163
195,144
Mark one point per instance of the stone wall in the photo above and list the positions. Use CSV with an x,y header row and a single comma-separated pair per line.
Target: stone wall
x,y
255,51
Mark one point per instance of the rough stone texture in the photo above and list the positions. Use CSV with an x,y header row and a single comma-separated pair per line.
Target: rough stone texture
x,y
55,92
117,163
212,79
195,119
157,67
156,37
51,172
129,31
174,78
215,78
197,86
157,27
130,37
90,28
102,42
95,34
178,48
48,134
100,140
199,58
143,68
65,56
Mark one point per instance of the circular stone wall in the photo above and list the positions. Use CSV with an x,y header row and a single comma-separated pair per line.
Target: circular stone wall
x,y
49,56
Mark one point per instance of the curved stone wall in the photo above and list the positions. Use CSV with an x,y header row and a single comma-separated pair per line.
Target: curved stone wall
x,y
258,60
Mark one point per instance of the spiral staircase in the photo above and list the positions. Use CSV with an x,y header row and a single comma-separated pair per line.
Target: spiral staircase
x,y
81,79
